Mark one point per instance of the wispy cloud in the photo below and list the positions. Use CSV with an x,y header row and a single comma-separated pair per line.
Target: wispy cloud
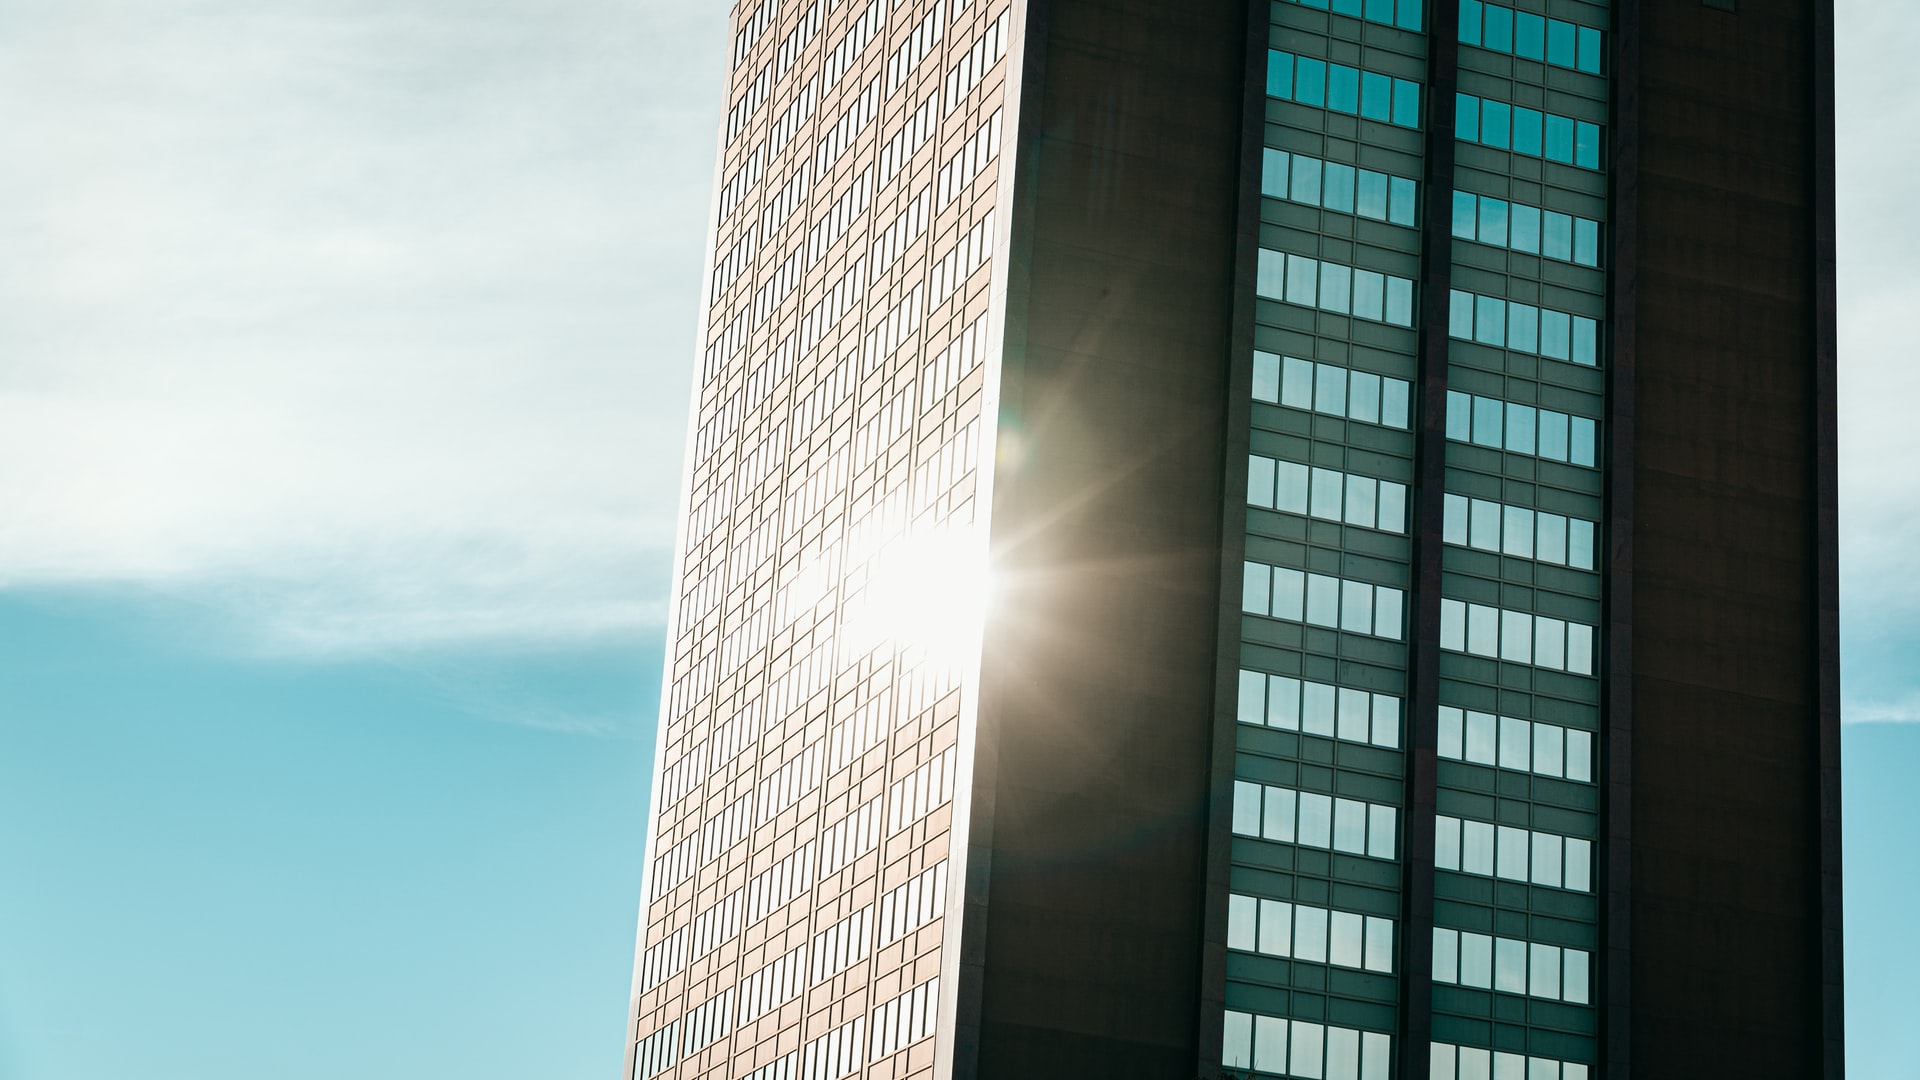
x,y
366,323
1904,711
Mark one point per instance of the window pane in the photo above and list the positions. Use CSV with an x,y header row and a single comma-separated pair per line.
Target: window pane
x,y
1376,96
1356,608
1486,421
1496,121
1408,17
1485,531
1310,81
1483,630
1259,481
1497,34
1516,536
1254,588
1337,188
1558,239
1579,865
1556,335
1369,295
1580,544
1354,706
1560,43
1520,428
1489,320
1269,1044
1476,960
1446,843
1406,103
1476,848
1279,74
1586,242
1276,823
1246,808
1316,820
1511,853
1523,327
1306,180
1465,215
1552,536
1510,966
1580,441
1544,971
1330,390
1516,638
1546,859
1253,698
1241,913
1466,117
1386,612
1529,36
1386,719
1493,221
1362,504
1393,403
1460,315
1276,928
1303,278
1310,934
1346,944
1273,173
1525,229
1446,955
1382,831
1469,22
1579,756
1290,487
1316,709
1323,598
1399,301
1326,494
1393,507
1289,586
1379,944
1266,377
1306,1057
1480,737
1343,88
1452,730
1453,521
1283,703
1586,344
1589,50
1526,131
1513,743
1336,284
1370,195
1550,641
1296,391
1559,140
1400,202
1586,153
1573,976
1237,1043
1343,1054
1363,401
1269,276
1553,435
1548,750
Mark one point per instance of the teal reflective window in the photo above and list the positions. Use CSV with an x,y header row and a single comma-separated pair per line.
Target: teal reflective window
x,y
1582,438
1496,124
1586,342
1466,117
1336,192
1408,17
1589,50
1298,391
1306,180
1557,242
1470,16
1336,288
1279,74
1497,31
1400,206
1524,232
1489,320
1560,43
1376,96
1526,131
1586,242
1559,145
1343,88
1587,145
1529,36
1486,422
1520,425
1273,173
1464,216
1399,301
1556,339
1493,221
1370,195
1553,436
1380,11
1369,296
1459,414
1523,327
1406,103
1310,81
1460,315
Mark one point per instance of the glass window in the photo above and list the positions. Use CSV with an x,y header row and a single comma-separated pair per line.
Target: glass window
x,y
1337,188
1516,534
1386,612
1380,11
1289,586
1369,295
1242,911
1466,117
1336,285
1370,194
1354,706
1269,1044
1326,494
1470,22
1558,242
1460,315
1246,808
1259,481
1283,703
1343,88
1520,428
1362,501
1452,729
1497,33
1542,1069
1237,1043
1290,484
1523,327
1406,103
1381,830
1393,403
1586,242
1297,392
1582,439
1586,152
1276,928
1453,625
1560,49
1524,229
1363,393
1559,140
1459,414
1476,960
1273,173
1454,519
1549,745
1446,843
1440,1061
1308,1040
1279,74
1464,215
1399,301
1483,630
1544,977
1579,757
1489,320
1511,853
1316,820
1393,507
1486,421
1552,534
1400,202
1546,859
1556,335
1306,180
1526,131
1268,277
1356,608
1446,955
1586,344
1513,743
1253,692
1580,544
1343,1054
1496,123
1323,599
1550,643
1266,376
1573,974
1316,710
1516,638
1310,934
1254,587
1475,1064
1579,865
1510,966
1529,36
1553,435
1310,81
1480,738
1379,944
1303,277
1408,19
1376,96
1386,719
1589,50
1346,939
1493,221
1476,847
1276,823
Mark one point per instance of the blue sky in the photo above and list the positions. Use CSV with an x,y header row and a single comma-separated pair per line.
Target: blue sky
x,y
344,353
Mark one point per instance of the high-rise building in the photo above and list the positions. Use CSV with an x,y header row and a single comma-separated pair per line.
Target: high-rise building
x,y
1278,539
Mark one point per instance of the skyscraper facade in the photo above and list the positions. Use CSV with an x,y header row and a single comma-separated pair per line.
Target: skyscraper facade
x,y
1280,539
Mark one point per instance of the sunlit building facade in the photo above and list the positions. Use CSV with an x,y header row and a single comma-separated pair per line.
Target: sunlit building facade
x,y
1290,539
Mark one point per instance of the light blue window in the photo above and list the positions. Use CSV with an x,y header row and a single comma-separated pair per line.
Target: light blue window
x,y
1259,481
1493,221
1459,416
1309,81
1349,8
1393,403
1489,320
1290,487
1356,615
1580,544
1529,36
1587,145
1466,117
1555,336
1517,532
1369,295
1526,131
1254,588
1582,438
1460,315
1559,139
1486,422
1586,242
1325,503
1273,173
1586,343
1363,394
1323,598
1297,389
1289,586
1269,274
1553,435
1589,50
1279,74
1470,22
1266,376
1523,327
1520,425
1497,34
1343,88
1303,276
1525,229
1316,710
1409,15
1406,103
1399,301
1337,190
1558,241
1454,523
1400,202
1283,703
1376,96
1277,822
1370,195
1485,531
1330,390
1306,180
1560,43
1496,123
1253,691
1464,215
1336,287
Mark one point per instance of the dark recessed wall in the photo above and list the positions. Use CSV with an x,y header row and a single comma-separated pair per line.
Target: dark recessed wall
x,y
1726,821
1087,864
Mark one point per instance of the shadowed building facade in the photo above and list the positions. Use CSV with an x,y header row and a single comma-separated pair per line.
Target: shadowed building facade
x,y
1291,539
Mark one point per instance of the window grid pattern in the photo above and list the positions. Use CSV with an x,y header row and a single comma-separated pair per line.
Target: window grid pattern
x,y
1331,185
1317,708
1505,742
1328,494
1309,819
1518,531
1451,1062
1501,29
1304,932
1521,429
1339,88
1523,328
1335,288
1527,132
1277,1046
1330,389
1517,637
1356,607
1404,14
1529,230
1511,853
1510,966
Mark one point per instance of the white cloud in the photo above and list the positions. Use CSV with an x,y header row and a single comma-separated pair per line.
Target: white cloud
x,y
368,324
1903,711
